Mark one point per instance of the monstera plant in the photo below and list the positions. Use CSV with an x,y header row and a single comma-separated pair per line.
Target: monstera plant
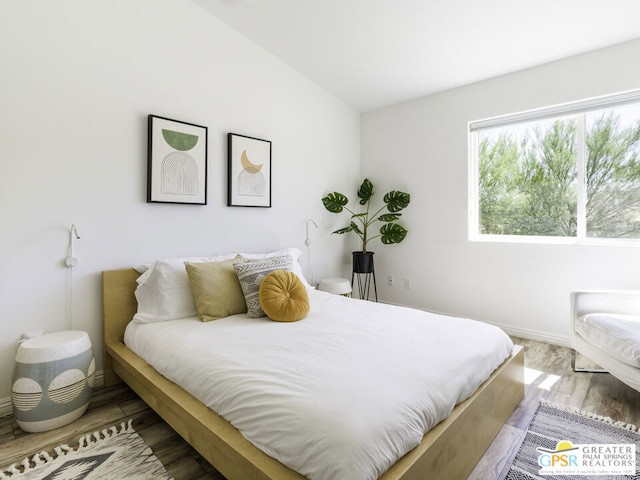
x,y
361,223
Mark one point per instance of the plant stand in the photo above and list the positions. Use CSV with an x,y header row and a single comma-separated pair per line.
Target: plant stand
x,y
364,274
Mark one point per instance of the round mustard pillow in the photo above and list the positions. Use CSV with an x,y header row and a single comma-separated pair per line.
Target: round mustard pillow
x,y
283,297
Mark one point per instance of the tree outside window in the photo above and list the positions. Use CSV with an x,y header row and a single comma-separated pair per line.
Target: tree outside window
x,y
533,176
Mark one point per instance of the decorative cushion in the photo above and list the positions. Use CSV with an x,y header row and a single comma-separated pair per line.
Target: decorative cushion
x,y
293,252
163,291
216,289
283,297
251,273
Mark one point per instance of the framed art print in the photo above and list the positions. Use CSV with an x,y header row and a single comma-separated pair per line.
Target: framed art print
x,y
177,162
249,172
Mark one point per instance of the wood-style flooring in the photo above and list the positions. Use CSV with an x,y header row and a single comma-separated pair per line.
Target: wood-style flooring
x,y
548,375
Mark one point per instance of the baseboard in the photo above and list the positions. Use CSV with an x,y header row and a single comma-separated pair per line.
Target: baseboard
x,y
538,335
99,382
535,335
6,407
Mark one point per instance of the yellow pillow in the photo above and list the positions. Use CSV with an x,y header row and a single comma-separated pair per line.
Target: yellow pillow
x,y
216,289
283,297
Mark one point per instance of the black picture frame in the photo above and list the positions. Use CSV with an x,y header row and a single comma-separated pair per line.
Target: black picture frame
x,y
176,161
249,171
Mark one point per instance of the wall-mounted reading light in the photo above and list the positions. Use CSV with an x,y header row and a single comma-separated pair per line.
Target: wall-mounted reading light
x,y
72,261
307,242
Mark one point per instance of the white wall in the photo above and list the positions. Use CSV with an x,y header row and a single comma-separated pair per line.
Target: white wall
x,y
523,287
78,81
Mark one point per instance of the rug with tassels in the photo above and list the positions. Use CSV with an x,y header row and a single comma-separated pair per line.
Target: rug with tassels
x,y
563,443
111,454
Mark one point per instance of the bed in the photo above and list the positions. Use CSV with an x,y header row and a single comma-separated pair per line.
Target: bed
x,y
449,450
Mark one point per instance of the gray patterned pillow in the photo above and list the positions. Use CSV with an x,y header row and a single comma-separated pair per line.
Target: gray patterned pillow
x,y
251,274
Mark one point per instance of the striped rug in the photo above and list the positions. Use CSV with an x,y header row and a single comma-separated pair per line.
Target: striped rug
x,y
556,429
111,454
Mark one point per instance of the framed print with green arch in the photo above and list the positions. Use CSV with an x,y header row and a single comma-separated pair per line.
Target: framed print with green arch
x,y
177,162
249,172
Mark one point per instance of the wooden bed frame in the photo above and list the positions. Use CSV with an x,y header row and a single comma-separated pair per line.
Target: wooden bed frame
x,y
449,451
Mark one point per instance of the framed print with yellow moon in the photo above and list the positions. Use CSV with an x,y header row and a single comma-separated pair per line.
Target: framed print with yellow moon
x,y
177,162
249,172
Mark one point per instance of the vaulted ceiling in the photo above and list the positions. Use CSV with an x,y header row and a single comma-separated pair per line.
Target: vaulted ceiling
x,y
374,53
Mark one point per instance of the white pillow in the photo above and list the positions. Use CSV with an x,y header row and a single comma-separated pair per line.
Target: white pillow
x,y
143,267
617,335
291,251
164,292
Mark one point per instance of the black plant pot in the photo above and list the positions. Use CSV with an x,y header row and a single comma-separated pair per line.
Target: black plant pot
x,y
363,262
363,274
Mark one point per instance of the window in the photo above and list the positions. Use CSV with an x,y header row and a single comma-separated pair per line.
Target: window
x,y
570,172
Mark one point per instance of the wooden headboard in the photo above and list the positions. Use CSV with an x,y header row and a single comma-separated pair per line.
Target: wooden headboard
x,y
118,308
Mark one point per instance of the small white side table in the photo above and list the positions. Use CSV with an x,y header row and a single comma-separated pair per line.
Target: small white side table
x,y
338,286
52,380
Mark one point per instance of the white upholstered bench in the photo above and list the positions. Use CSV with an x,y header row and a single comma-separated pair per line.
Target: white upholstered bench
x,y
605,327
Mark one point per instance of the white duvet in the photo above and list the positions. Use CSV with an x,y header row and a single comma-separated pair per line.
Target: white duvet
x,y
339,395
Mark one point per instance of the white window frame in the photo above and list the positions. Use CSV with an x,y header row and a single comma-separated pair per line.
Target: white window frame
x,y
574,109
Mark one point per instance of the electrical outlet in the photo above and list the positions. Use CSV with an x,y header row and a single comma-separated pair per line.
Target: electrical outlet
x,y
407,283
391,281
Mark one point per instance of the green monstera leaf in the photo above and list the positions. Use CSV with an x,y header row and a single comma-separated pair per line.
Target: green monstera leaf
x,y
365,192
389,217
392,233
351,228
397,200
354,226
343,230
335,202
